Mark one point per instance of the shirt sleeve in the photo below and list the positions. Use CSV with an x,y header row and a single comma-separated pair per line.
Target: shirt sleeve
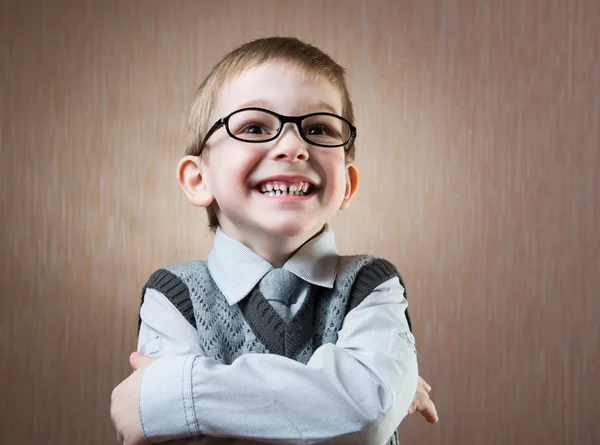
x,y
356,391
164,331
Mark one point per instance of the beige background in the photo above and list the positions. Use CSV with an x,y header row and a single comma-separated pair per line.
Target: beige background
x,y
479,125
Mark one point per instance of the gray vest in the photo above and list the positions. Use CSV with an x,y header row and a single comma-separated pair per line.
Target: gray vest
x,y
253,326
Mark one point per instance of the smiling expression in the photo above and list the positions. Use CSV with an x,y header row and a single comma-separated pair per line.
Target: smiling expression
x,y
281,189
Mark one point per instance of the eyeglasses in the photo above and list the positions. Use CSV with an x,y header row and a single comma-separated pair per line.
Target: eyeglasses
x,y
256,125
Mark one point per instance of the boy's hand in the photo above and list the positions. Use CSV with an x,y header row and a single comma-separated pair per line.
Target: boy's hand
x,y
124,410
422,403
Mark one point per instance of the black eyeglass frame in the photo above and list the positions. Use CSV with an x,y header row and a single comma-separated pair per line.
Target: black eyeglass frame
x,y
224,121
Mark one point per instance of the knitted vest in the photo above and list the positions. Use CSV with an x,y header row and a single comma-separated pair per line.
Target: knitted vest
x,y
253,326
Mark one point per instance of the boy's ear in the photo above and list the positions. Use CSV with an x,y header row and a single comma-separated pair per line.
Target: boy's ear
x,y
192,182
351,185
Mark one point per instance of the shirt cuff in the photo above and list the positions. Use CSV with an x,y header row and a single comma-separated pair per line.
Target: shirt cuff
x,y
165,399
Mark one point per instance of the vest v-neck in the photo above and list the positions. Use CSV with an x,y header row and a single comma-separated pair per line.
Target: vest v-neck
x,y
280,338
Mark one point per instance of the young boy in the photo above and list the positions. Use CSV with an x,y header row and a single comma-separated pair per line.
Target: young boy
x,y
276,338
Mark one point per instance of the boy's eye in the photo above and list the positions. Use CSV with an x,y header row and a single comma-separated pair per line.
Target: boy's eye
x,y
252,129
253,125
319,130
324,129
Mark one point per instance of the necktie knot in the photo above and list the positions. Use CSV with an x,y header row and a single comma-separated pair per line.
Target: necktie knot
x,y
279,287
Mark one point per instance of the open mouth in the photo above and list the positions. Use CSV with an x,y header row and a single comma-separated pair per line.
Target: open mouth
x,y
281,188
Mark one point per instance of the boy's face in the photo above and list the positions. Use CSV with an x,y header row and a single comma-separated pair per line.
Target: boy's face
x,y
235,173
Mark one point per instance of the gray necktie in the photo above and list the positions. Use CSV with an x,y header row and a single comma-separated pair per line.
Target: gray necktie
x,y
280,288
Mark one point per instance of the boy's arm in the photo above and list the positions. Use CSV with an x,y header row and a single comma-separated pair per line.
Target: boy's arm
x,y
356,391
163,331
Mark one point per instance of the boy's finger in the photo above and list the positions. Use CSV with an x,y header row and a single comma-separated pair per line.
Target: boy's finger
x,y
430,412
139,361
432,417
424,384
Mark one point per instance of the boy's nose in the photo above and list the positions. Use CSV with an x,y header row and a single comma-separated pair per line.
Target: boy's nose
x,y
290,146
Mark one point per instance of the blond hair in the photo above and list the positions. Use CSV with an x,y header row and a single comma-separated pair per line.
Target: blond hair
x,y
308,58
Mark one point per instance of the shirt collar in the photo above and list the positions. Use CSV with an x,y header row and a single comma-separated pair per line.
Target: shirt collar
x,y
236,268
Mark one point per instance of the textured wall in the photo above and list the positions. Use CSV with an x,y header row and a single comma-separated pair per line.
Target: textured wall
x,y
479,125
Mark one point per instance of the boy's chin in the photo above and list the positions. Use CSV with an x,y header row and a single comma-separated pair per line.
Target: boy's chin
x,y
289,229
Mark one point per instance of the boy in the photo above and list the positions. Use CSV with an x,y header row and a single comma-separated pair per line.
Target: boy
x,y
276,338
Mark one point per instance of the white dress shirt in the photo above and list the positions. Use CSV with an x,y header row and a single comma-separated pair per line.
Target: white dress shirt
x,y
355,391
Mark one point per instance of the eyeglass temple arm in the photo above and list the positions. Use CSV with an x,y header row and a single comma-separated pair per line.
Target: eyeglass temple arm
x,y
214,128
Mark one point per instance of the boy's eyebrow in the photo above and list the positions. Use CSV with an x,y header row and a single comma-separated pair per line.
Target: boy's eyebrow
x,y
260,103
320,106
307,109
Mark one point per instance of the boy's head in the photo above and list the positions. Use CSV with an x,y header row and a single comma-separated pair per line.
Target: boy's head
x,y
287,50
288,78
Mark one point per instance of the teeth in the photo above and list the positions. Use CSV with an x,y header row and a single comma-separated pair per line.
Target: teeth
x,y
283,189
